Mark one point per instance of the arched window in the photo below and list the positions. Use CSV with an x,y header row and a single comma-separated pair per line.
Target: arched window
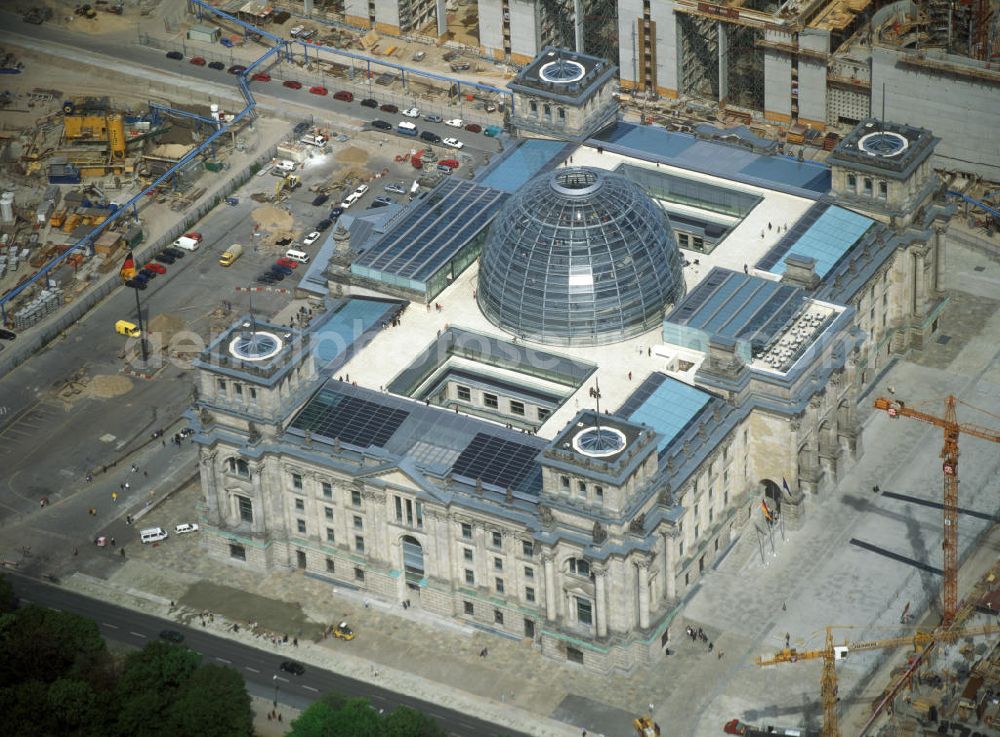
x,y
240,467
578,567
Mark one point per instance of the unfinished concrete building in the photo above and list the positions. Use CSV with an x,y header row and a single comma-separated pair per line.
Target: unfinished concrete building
x,y
516,30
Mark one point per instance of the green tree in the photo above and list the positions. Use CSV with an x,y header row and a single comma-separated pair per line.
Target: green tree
x,y
40,644
214,702
8,600
407,722
353,718
149,686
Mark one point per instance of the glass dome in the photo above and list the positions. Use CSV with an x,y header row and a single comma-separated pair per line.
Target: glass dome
x,y
579,256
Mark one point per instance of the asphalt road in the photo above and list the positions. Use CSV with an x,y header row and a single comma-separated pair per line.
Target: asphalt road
x,y
258,668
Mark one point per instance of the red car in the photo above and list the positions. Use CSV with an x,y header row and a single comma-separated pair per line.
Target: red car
x,y
287,263
261,77
474,128
155,268
292,84
318,90
343,96
193,235
450,163
198,61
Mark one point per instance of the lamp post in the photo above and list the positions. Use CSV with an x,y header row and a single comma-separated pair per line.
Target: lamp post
x,y
275,679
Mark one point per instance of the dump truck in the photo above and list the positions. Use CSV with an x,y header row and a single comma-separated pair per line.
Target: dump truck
x,y
231,254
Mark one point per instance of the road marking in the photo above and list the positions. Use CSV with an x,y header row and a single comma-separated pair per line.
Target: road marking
x,y
252,670
279,678
112,626
223,660
138,634
310,688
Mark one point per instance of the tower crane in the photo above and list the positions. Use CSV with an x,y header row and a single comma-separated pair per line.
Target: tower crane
x,y
952,427
831,653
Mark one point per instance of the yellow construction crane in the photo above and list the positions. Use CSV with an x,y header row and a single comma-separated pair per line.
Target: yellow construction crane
x,y
831,653
949,543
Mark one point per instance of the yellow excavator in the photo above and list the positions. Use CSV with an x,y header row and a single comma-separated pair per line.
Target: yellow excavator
x,y
290,182
646,727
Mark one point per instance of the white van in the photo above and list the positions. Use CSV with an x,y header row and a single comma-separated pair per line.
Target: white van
x,y
301,256
152,535
284,165
188,244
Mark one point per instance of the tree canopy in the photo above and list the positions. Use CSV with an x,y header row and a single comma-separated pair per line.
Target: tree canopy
x,y
335,716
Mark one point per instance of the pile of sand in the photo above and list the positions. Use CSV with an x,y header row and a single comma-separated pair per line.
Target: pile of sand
x,y
352,155
271,218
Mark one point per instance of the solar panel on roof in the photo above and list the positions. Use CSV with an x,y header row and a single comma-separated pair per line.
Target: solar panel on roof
x,y
668,408
351,420
496,461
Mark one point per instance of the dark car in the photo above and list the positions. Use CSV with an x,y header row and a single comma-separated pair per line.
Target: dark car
x,y
172,636
369,102
283,241
7,334
336,212
267,278
320,199
279,269
261,77
276,275
343,96
140,278
237,69
164,258
323,225
430,137
292,84
450,55
381,125
135,284
216,65
147,273
175,252
301,128
380,202
389,108
175,55
474,128
290,666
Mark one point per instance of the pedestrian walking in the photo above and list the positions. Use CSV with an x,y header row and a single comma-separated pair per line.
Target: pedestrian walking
x,y
788,640
145,474
113,543
127,486
123,553
114,496
134,468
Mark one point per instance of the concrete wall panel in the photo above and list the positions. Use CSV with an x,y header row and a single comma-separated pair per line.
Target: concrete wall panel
x,y
629,15
777,80
667,45
812,78
491,26
524,28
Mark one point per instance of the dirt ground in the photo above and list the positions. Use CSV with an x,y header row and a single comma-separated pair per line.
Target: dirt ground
x,y
272,219
352,155
105,386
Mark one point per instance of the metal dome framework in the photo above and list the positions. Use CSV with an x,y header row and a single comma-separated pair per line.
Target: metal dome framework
x,y
579,257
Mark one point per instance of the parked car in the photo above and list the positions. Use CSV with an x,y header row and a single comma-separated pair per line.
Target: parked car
x,y
369,102
430,137
343,95
382,125
450,163
296,30
237,69
292,84
216,65
432,118
361,189
195,236
474,128
175,55
380,202
136,283
343,632
156,268
453,142
7,334
389,108
185,527
396,188
450,55
261,77
460,66
318,89
323,224
336,212
198,61
267,278
455,123
287,263
412,112
147,273
279,269
165,258
276,272
311,238
175,252
290,666
320,199
419,56
172,636
226,42
492,131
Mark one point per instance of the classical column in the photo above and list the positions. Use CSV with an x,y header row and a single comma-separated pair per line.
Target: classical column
x,y
209,482
919,253
256,472
600,595
642,580
669,566
549,565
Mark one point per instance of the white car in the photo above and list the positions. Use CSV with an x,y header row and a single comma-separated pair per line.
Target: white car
x,y
455,123
350,200
294,33
453,142
186,527
413,112
311,238
362,188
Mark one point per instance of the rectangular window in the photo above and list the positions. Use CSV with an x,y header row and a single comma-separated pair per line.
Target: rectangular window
x,y
330,566
470,577
498,564
680,549
330,537
301,525
328,490
328,511
499,585
564,482
725,498
359,522
491,401
529,628
883,190
517,408
221,383
529,572
543,414
529,594
466,531
300,505
296,480
711,515
253,393
238,551
469,608
868,186
852,181
527,548
497,539
467,553
399,509
246,508
359,574
238,388
464,393
599,493
359,543
356,498
584,611
696,532
497,616
581,488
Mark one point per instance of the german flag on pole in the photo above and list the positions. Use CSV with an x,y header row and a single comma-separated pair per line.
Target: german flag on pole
x,y
128,268
767,512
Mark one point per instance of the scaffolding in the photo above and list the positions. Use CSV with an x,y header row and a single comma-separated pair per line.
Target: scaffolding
x,y
743,60
600,29
699,56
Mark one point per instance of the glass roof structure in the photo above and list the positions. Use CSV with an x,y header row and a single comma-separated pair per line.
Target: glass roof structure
x,y
666,405
348,323
524,162
825,233
748,309
579,256
431,232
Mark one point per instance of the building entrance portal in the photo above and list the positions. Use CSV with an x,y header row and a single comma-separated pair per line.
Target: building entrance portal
x,y
772,493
